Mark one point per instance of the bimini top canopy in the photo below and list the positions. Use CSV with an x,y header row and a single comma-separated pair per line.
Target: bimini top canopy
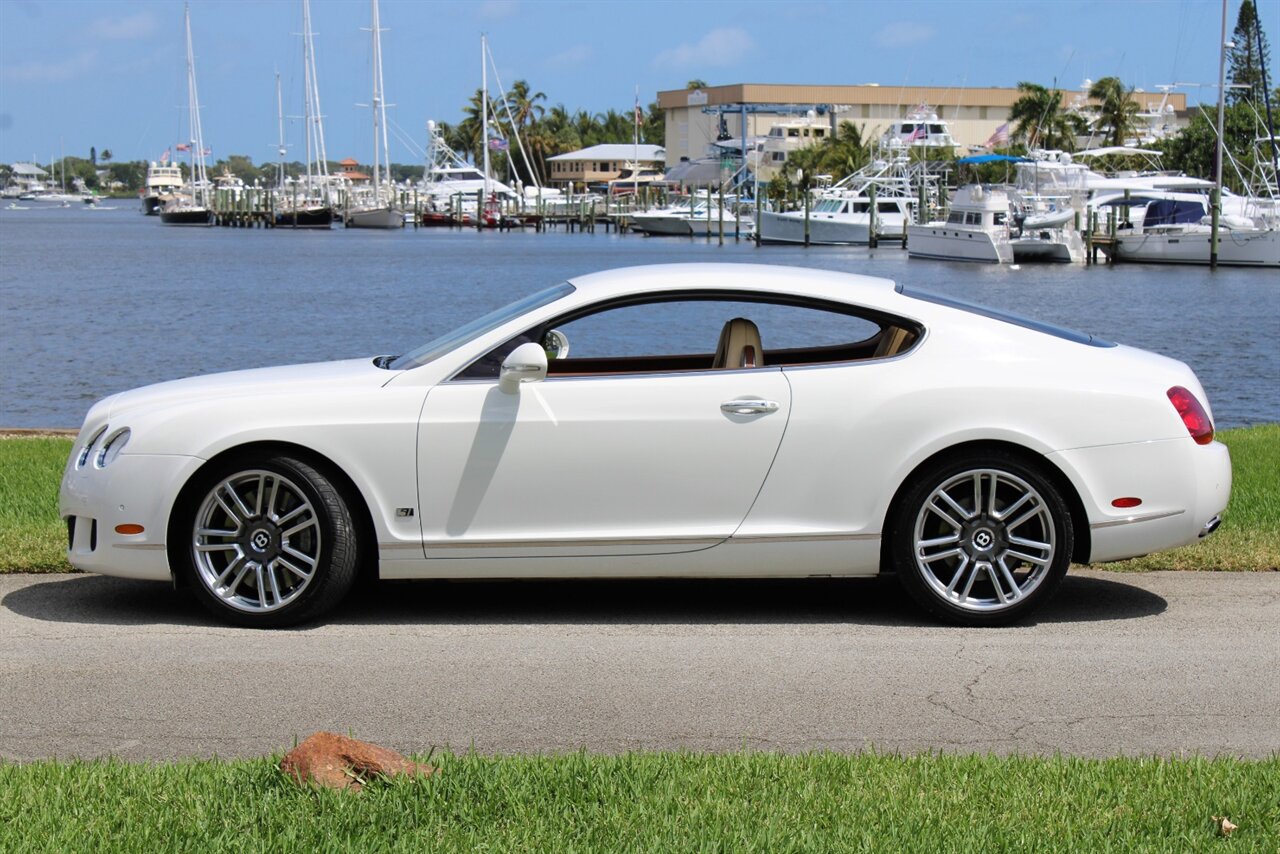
x,y
993,158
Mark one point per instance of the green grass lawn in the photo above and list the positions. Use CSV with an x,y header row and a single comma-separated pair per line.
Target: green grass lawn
x,y
654,802
33,539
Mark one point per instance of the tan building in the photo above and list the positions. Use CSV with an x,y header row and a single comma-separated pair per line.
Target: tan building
x,y
750,109
601,163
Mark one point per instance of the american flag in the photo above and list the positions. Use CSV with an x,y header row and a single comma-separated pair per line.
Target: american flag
x,y
498,144
1000,137
183,146
918,133
164,158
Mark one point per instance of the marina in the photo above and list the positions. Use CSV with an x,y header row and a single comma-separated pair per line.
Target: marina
x,y
93,304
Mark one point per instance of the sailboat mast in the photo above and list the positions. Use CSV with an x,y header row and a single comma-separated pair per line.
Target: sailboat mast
x,y
484,122
377,99
280,150
199,178
315,122
1217,168
382,105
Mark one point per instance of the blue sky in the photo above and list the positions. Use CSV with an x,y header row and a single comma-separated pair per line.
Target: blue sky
x,y
110,73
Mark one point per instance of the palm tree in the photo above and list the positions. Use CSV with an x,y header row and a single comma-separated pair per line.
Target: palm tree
x,y
1116,109
524,105
696,83
1040,121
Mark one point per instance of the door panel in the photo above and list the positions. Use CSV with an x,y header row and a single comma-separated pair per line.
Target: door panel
x,y
639,464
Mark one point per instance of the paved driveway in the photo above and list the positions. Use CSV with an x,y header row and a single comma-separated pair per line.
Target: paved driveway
x,y
1165,663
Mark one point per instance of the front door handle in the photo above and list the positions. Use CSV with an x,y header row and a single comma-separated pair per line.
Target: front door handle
x,y
749,406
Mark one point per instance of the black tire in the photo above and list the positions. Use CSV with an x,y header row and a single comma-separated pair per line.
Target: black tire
x,y
264,541
960,540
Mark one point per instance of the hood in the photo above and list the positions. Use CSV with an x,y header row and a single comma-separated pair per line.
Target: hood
x,y
259,382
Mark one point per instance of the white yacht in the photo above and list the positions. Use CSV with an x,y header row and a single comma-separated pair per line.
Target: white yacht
x,y
842,214
921,129
787,136
976,229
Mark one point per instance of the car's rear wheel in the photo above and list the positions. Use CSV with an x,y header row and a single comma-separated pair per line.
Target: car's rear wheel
x,y
267,542
982,539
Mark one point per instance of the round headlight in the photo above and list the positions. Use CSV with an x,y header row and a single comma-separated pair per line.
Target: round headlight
x,y
112,447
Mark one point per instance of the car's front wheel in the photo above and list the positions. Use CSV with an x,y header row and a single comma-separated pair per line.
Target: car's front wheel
x,y
266,542
981,539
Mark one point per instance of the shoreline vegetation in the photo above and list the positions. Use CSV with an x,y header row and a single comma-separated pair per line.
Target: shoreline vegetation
x,y
33,538
743,801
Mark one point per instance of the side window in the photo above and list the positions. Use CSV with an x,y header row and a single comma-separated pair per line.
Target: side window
x,y
700,333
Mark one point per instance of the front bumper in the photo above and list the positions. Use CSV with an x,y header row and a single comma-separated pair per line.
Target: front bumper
x,y
135,489
1183,486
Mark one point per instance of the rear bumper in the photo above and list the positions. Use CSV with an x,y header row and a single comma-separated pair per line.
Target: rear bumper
x,y
1183,487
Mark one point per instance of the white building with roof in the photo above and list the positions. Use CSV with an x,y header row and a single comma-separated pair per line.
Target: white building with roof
x,y
25,178
600,163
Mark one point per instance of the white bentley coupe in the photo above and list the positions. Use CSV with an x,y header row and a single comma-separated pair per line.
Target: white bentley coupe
x,y
709,420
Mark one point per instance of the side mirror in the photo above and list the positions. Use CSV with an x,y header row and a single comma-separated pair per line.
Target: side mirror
x,y
525,364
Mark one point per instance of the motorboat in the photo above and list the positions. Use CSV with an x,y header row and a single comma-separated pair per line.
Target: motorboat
x,y
922,130
977,228
842,214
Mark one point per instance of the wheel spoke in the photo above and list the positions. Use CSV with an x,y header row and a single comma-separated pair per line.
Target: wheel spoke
x,y
257,496
1012,508
941,555
245,512
1033,512
231,567
292,552
262,588
964,514
1015,592
1038,561
275,584
940,541
1030,544
300,526
973,576
955,579
271,501
942,514
295,570
231,513
215,532
217,547
286,518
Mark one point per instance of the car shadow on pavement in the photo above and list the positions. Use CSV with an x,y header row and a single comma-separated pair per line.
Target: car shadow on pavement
x,y
862,601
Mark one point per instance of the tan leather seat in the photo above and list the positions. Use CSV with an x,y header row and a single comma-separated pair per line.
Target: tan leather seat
x,y
893,340
739,345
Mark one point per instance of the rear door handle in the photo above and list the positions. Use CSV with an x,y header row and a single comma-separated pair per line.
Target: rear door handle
x,y
749,406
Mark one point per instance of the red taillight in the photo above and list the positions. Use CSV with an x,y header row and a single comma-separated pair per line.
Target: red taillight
x,y
1192,414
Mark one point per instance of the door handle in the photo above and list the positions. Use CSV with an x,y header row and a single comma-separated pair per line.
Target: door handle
x,y
749,406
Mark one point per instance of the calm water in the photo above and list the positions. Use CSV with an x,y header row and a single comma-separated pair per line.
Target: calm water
x,y
96,301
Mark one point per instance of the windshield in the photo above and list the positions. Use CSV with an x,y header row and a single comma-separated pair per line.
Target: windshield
x,y
480,326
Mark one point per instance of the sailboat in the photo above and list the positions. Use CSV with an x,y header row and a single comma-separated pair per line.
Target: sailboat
x,y
378,212
191,208
1248,240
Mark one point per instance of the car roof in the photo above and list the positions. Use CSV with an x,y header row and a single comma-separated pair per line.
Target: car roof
x,y
655,278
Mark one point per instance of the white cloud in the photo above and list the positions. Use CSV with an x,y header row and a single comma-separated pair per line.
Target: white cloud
x,y
121,29
51,72
904,34
499,8
575,55
720,47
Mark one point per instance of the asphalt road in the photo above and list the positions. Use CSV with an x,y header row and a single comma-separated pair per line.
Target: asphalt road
x,y
1166,663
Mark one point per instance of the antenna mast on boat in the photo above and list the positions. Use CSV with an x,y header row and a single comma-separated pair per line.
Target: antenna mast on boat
x,y
314,118
280,149
484,122
199,178
1217,166
379,111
